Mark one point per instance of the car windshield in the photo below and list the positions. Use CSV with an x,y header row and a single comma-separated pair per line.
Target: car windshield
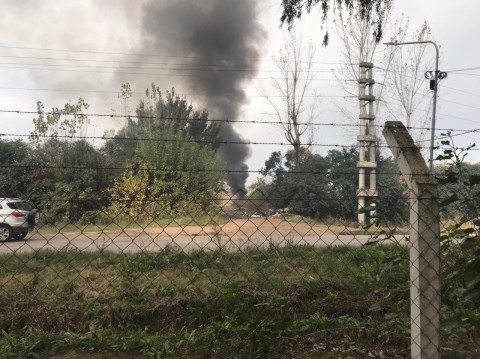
x,y
20,205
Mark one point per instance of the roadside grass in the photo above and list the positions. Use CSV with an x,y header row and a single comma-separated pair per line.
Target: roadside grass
x,y
290,302
121,223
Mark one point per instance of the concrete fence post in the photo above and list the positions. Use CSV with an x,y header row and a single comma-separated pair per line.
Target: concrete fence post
x,y
424,242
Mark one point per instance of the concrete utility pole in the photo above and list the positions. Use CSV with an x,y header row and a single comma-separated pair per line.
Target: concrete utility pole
x,y
424,242
367,164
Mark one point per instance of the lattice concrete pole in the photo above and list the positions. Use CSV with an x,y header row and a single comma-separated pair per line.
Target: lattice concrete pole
x,y
372,136
424,243
367,139
361,147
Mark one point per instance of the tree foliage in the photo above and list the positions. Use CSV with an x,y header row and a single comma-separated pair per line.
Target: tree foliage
x,y
67,180
15,175
322,187
158,113
60,122
295,9
169,150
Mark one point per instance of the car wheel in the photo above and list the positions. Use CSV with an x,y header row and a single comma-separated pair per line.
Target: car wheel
x,y
32,217
20,235
5,232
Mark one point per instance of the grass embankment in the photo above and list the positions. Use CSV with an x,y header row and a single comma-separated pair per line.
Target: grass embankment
x,y
279,303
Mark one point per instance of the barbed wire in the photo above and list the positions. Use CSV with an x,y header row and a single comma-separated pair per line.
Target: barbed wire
x,y
154,117
135,168
232,196
200,141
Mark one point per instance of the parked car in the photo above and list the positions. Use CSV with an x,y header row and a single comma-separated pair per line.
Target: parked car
x,y
17,218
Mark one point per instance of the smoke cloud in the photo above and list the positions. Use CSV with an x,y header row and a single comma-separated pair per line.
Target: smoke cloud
x,y
206,32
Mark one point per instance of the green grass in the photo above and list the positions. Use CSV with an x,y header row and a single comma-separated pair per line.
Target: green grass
x,y
293,302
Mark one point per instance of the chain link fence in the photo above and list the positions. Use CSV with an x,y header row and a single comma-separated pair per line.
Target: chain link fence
x,y
167,262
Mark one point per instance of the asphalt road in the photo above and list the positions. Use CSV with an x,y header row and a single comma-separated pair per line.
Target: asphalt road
x,y
141,241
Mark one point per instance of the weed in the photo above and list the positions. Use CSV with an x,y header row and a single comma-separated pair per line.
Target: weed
x,y
280,302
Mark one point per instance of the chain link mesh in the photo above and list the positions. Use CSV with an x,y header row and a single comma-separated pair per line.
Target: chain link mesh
x,y
270,273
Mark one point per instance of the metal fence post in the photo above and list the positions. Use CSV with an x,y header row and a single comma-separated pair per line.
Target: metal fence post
x,y
424,242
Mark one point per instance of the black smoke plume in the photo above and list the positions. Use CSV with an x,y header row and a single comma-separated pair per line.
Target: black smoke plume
x,y
225,33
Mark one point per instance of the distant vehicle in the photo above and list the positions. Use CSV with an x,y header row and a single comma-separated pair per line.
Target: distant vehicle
x,y
17,218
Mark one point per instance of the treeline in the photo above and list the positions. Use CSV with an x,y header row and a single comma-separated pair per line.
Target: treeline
x,y
161,163
319,187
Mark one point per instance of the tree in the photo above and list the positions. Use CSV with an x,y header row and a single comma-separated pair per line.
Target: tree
x,y
401,66
15,174
358,36
298,182
158,113
67,174
343,182
294,9
169,155
67,187
290,86
405,79
322,187
170,175
60,122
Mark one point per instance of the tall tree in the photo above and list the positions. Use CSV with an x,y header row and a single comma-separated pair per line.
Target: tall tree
x,y
405,80
67,174
287,91
358,36
168,160
161,112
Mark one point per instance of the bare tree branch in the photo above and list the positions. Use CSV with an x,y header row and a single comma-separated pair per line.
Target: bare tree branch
x,y
287,93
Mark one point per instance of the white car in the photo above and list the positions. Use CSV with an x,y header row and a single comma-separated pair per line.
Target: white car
x,y
17,218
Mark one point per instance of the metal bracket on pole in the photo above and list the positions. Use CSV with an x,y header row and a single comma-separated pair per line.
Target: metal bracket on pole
x,y
424,242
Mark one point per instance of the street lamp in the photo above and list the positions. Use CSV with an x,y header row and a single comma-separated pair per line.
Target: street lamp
x,y
435,87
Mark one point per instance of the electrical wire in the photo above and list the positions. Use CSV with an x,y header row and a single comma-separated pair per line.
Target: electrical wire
x,y
143,93
153,74
144,55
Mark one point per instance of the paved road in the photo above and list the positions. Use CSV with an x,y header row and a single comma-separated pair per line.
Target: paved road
x,y
140,241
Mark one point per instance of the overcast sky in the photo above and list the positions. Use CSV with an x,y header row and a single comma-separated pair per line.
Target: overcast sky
x,y
39,38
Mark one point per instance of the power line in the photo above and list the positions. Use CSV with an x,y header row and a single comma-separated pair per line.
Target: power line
x,y
462,91
464,69
461,104
144,55
149,63
143,92
150,73
464,74
204,69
